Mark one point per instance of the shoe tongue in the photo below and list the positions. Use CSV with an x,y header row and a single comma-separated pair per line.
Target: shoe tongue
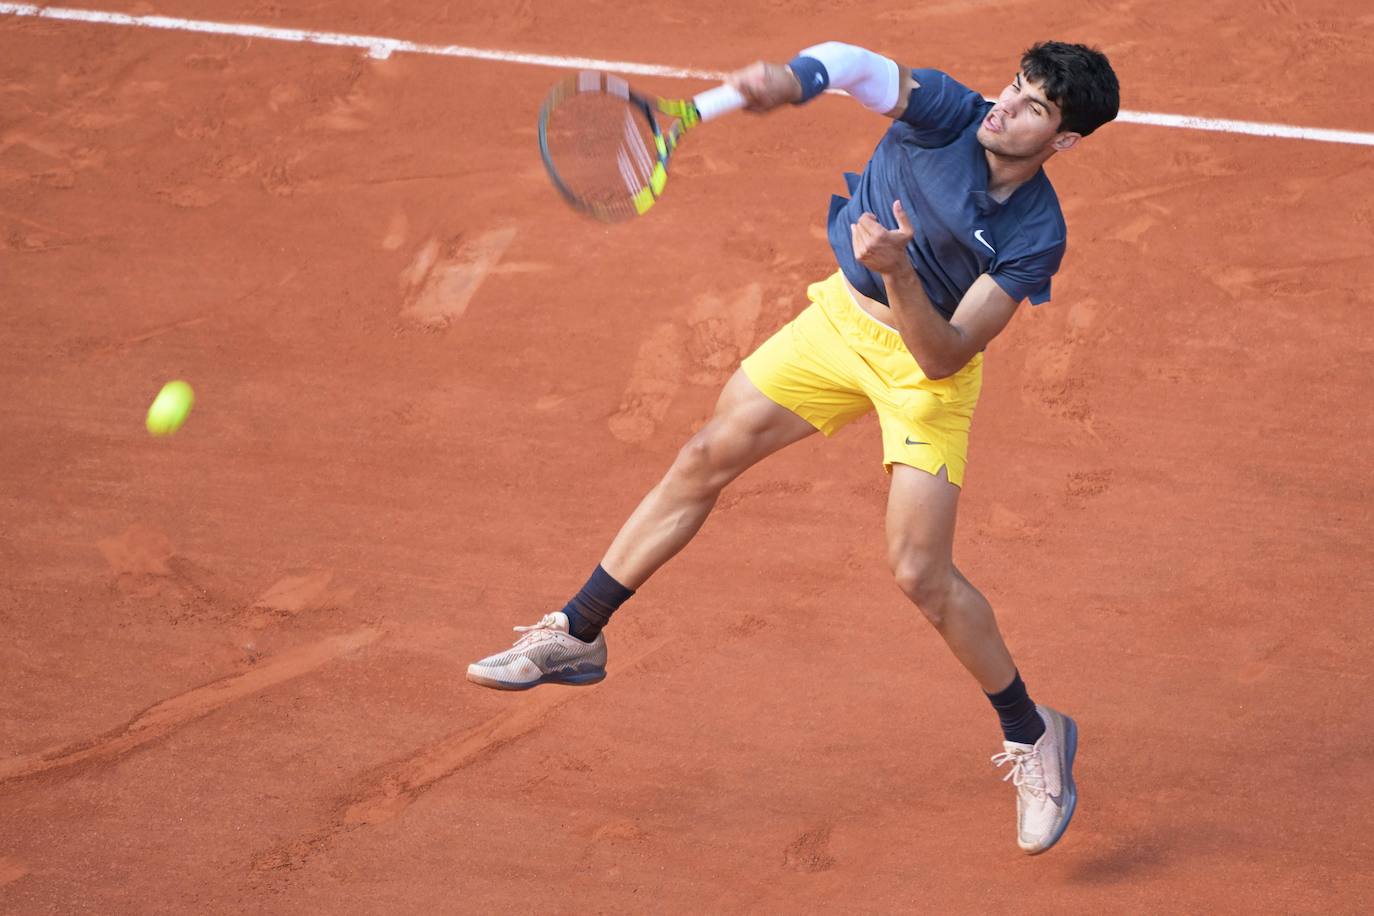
x,y
560,621
1051,781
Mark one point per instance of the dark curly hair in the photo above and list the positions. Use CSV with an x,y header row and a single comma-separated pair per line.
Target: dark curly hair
x,y
1078,79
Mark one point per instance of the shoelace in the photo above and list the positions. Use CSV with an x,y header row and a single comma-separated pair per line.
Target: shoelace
x,y
544,629
1027,771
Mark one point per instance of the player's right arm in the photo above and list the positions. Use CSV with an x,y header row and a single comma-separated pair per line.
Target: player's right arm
x,y
876,82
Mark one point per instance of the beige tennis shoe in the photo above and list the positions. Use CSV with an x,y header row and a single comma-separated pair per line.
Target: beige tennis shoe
x,y
546,653
1043,776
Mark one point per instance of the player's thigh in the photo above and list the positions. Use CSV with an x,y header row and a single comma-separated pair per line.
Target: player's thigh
x,y
746,427
921,513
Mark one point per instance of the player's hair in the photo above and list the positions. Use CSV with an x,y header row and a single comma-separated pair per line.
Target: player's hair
x,y
1078,79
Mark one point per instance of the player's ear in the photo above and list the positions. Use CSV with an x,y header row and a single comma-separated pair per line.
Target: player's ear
x,y
1064,141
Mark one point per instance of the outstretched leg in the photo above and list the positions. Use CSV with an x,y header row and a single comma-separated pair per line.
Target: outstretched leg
x,y
1040,743
921,512
746,428
567,647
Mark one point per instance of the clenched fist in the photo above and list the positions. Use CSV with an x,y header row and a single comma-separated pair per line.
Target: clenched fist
x,y
878,248
765,86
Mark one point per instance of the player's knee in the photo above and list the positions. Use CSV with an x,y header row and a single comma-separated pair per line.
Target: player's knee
x,y
925,579
703,463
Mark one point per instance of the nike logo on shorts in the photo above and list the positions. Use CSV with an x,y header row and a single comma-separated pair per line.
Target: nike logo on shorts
x,y
911,441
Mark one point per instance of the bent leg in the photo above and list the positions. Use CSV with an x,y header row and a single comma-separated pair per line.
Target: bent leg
x,y
746,427
921,512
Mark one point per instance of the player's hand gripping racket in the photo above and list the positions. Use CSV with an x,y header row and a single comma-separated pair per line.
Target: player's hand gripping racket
x,y
604,145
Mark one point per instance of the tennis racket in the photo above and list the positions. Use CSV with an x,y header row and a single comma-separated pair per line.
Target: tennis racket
x,y
605,147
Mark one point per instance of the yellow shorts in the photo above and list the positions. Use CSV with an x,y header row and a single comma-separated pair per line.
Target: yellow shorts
x,y
834,361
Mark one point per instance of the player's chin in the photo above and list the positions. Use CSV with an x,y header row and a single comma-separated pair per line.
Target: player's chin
x,y
994,143
999,145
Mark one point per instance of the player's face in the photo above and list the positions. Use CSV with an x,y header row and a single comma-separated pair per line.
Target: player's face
x,y
1023,123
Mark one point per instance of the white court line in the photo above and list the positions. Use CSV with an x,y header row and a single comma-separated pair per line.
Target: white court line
x,y
382,47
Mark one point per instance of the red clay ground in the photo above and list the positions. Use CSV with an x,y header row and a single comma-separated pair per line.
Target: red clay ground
x,y
428,394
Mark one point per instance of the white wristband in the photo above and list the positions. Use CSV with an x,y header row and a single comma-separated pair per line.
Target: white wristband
x,y
873,80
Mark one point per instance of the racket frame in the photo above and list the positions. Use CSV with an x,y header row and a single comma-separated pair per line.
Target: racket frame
x,y
684,116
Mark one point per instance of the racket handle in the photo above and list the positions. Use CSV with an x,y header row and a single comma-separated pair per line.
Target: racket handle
x,y
718,101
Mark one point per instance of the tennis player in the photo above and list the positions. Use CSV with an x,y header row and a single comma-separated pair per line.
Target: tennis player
x,y
952,225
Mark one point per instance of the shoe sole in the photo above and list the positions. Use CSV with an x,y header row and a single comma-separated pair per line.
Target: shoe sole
x,y
1070,790
579,679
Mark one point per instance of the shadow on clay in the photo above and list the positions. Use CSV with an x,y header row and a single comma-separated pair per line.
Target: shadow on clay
x,y
1127,860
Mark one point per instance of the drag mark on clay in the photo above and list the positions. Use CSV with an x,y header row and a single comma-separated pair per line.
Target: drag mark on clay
x,y
442,279
45,161
722,334
139,552
397,228
164,329
146,567
11,871
103,348
654,382
737,494
163,718
717,335
309,592
408,780
42,237
400,784
1004,524
293,595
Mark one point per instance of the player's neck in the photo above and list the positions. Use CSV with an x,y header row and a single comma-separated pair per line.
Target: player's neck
x,y
1007,173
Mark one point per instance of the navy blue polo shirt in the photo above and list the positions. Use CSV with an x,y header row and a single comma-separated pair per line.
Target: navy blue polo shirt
x,y
932,160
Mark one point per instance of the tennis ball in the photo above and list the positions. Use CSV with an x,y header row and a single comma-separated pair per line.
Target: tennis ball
x,y
169,409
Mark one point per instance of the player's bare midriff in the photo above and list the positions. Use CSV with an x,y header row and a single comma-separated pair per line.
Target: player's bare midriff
x,y
873,307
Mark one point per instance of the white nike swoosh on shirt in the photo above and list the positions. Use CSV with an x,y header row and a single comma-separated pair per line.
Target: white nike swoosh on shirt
x,y
978,234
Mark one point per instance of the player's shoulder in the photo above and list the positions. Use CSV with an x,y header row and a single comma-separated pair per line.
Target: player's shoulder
x,y
1036,219
1042,203
935,84
939,110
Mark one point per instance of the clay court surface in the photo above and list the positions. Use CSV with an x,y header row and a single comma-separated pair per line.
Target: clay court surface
x,y
231,678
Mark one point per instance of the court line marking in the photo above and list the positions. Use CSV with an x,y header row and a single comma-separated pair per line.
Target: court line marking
x,y
382,47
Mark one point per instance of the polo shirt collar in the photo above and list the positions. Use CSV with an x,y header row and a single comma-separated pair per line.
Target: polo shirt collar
x,y
984,202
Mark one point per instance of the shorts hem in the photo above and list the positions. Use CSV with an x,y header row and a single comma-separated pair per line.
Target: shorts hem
x,y
931,468
825,429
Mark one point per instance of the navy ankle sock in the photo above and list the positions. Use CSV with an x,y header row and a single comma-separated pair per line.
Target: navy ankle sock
x,y
1020,721
591,608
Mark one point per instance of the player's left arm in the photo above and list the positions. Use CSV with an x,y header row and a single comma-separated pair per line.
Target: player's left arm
x,y
941,348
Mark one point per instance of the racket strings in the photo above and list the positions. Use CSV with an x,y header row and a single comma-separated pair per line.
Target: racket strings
x,y
603,150
635,150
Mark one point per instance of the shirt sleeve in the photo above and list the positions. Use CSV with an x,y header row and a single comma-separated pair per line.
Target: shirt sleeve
x,y
940,103
1028,276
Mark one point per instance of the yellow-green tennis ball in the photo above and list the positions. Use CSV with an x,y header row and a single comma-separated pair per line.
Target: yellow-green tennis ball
x,y
170,407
